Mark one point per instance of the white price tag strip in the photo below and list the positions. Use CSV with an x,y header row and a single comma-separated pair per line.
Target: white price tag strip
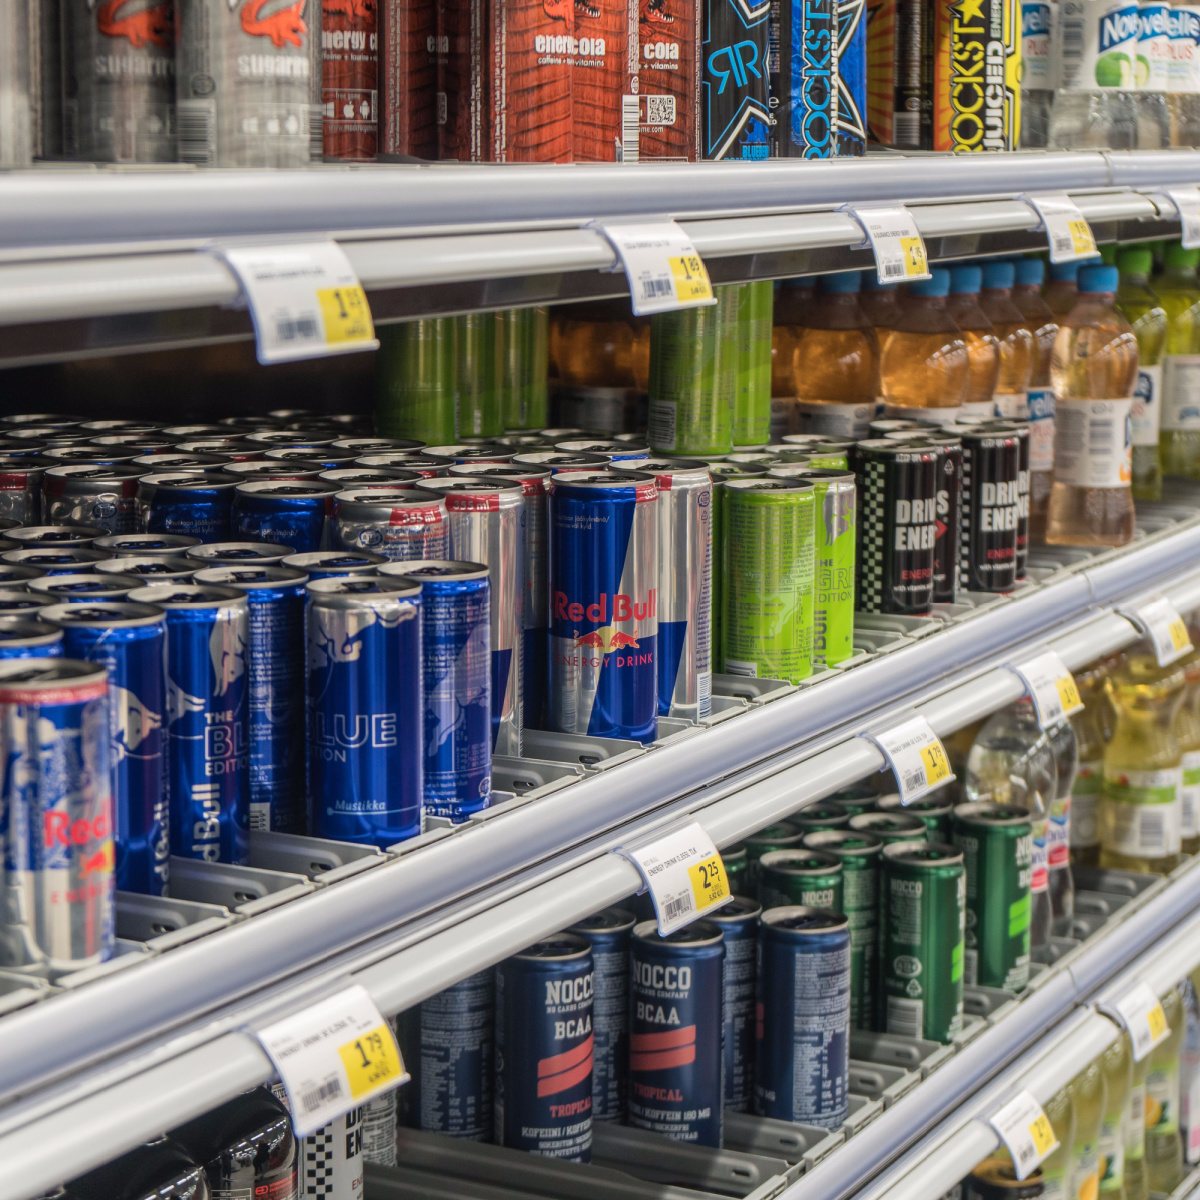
x,y
305,299
1187,205
332,1057
896,241
685,875
1052,687
916,755
662,266
1067,231
1162,624
1026,1130
1142,1015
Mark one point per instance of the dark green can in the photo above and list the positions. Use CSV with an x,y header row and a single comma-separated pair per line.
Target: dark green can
x,y
860,854
996,841
890,827
783,835
860,797
416,381
737,870
923,931
933,811
825,814
814,878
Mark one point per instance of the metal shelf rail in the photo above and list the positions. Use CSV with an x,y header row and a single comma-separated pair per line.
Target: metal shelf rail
x,y
95,1071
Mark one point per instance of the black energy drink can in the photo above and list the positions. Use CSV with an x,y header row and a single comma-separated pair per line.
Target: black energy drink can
x,y
1020,430
991,508
739,926
736,116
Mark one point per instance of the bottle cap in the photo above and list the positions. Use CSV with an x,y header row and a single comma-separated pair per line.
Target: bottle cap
x,y
938,284
1177,256
840,284
1135,260
1098,277
965,279
999,274
1030,271
870,282
1064,272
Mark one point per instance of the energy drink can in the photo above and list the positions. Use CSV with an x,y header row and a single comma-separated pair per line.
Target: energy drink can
x,y
997,848
804,78
478,383
609,931
13,603
666,103
331,1160
146,545
83,587
293,514
52,560
923,931
457,665
486,520
350,79
835,535
129,641
401,524
684,510
890,827
334,564
626,454
353,478
734,80
58,905
675,1044
738,922
544,1049
719,472
88,494
783,835
935,813
558,460
57,536
416,374
412,97
604,604
276,679
852,78
148,570
991,508
160,463
768,575
21,488
206,718
237,554
378,445
1020,430
272,470
804,1016
752,386
365,709
523,347
187,502
736,862
323,456
799,876
29,636
821,817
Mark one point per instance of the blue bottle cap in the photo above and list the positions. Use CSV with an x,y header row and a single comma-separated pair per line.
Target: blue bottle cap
x,y
1098,277
840,284
999,274
1030,271
870,282
965,279
1064,271
938,284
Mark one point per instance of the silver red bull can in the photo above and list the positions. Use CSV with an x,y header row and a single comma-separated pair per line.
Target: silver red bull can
x,y
21,488
400,523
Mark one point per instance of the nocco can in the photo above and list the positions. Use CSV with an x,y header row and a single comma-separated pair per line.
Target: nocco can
x,y
193,503
935,814
735,859
400,523
118,62
87,494
52,560
684,509
604,604
207,718
675,1043
609,932
457,665
991,508
783,835
835,537
738,922
813,878
57,907
365,709
860,856
129,640
486,519
247,70
20,489
997,848
29,636
145,545
804,79
148,570
237,554
768,574
821,816
334,564
804,1002
890,827
923,929
290,513
544,1049
276,675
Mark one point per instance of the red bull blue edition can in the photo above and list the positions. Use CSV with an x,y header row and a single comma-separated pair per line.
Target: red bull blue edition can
x,y
29,637
400,523
83,587
738,922
58,536
52,560
149,570
237,554
334,564
146,545
193,503
294,513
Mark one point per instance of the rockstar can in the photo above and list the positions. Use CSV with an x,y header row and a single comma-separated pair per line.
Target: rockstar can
x,y
804,78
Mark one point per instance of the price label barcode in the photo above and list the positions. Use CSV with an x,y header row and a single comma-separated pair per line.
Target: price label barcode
x,y
916,755
1161,623
895,240
1068,234
1051,687
1026,1131
663,268
685,875
1140,1011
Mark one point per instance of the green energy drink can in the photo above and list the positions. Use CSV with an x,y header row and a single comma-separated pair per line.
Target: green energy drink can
x,y
833,607
923,928
720,471
781,836
825,814
693,373
996,841
737,870
767,593
415,378
935,813
523,358
860,854
891,827
809,877
752,391
478,393
858,798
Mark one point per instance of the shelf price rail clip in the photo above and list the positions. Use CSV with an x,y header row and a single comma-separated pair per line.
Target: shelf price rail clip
x,y
915,754
1069,235
664,270
894,239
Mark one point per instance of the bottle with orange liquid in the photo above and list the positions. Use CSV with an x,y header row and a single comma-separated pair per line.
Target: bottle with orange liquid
x,y
1062,290
983,348
792,300
596,348
1017,346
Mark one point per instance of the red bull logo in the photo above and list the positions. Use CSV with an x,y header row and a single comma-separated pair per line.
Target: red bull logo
x,y
58,829
100,863
624,608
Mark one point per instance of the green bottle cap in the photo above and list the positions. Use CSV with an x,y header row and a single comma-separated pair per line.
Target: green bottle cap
x,y
1108,254
1177,256
1135,260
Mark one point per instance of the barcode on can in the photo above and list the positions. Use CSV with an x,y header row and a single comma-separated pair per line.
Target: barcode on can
x,y
312,1099
631,129
905,1017
660,424
196,132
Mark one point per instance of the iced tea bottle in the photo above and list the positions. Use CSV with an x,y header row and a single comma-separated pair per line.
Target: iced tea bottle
x,y
792,300
1018,348
983,347
1092,731
1187,734
880,303
1178,290
1093,371
1117,1065
593,344
1062,289
1164,1147
1145,314
1090,1094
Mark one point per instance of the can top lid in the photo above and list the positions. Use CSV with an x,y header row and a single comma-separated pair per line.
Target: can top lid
x,y
895,446
721,472
814,474
402,459
699,933
769,483
486,454
377,443
381,497
451,451
14,461
288,437
470,483
12,601
992,814
607,920
118,424
927,804
187,595
239,552
346,589
586,445
17,628
47,674
933,853
843,842
505,470
801,919
556,458
321,454
333,558
86,456
251,577
55,535
51,556
800,861
86,583
558,946
602,479
431,570
191,481
887,822
145,543
291,469
740,908
822,810
356,477
104,613
296,488
143,565
780,831
102,471
63,420
663,465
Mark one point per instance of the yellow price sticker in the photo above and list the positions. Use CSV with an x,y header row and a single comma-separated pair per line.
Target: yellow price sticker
x,y
937,766
1068,693
710,884
691,278
347,314
1157,1020
915,262
1081,236
371,1060
1043,1135
1179,634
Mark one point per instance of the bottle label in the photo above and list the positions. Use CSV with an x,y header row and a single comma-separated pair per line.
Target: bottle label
x,y
1011,405
1189,795
838,420
1147,405
1040,877
1183,32
1112,1154
1181,392
1058,833
1162,1098
1085,1170
1089,779
978,410
1037,36
1150,71
1142,809
1098,40
1041,428
1091,441
1135,1124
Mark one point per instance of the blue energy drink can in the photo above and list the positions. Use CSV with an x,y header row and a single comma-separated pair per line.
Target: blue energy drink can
x,y
276,672
52,560
804,1016
16,579
736,112
85,587
146,545
457,665
560,460
149,570
804,78
207,718
237,554
29,637
294,513
58,536
20,603
544,1044
195,503
738,922
365,709
675,1059
603,605
334,564
129,641
852,78
609,933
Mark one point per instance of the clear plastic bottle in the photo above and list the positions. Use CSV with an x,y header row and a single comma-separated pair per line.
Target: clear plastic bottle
x,y
1038,58
880,304
1146,316
1183,84
1164,1147
1117,1064
1189,1072
792,300
1055,1168
1058,832
1011,763
1143,773
1093,371
1018,346
983,347
1187,733
924,364
1062,290
1178,290
1151,76
1093,728
1090,1095
1137,1186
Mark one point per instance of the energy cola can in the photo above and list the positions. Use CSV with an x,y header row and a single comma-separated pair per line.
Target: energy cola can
x,y
289,513
29,636
334,564
812,878
399,523
738,921
197,504
146,545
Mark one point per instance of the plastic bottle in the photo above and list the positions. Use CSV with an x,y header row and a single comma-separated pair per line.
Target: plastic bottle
x,y
1187,733
1117,1065
1058,831
792,300
1090,1094
1038,57
1150,72
1092,731
1189,1073
595,347
1183,67
924,365
1018,348
1164,1147
983,347
1093,371
880,304
1178,291
1042,323
1146,316
1137,1186
1062,290
1055,1174
1143,775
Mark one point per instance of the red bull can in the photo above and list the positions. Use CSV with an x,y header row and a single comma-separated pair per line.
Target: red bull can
x,y
84,587
192,504
146,545
149,570
56,535
292,513
607,448
29,636
334,564
401,523
21,488
91,494
378,445
327,456
16,579
561,460
52,560
260,469
352,478
237,554
604,604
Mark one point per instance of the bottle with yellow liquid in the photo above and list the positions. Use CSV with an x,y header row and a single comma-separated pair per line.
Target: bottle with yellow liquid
x,y
1056,1181
1187,734
595,347
1117,1065
1137,1185
1179,428
1143,772
983,347
1093,728
1018,349
1164,1147
1149,321
880,303
1189,1073
1090,1095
